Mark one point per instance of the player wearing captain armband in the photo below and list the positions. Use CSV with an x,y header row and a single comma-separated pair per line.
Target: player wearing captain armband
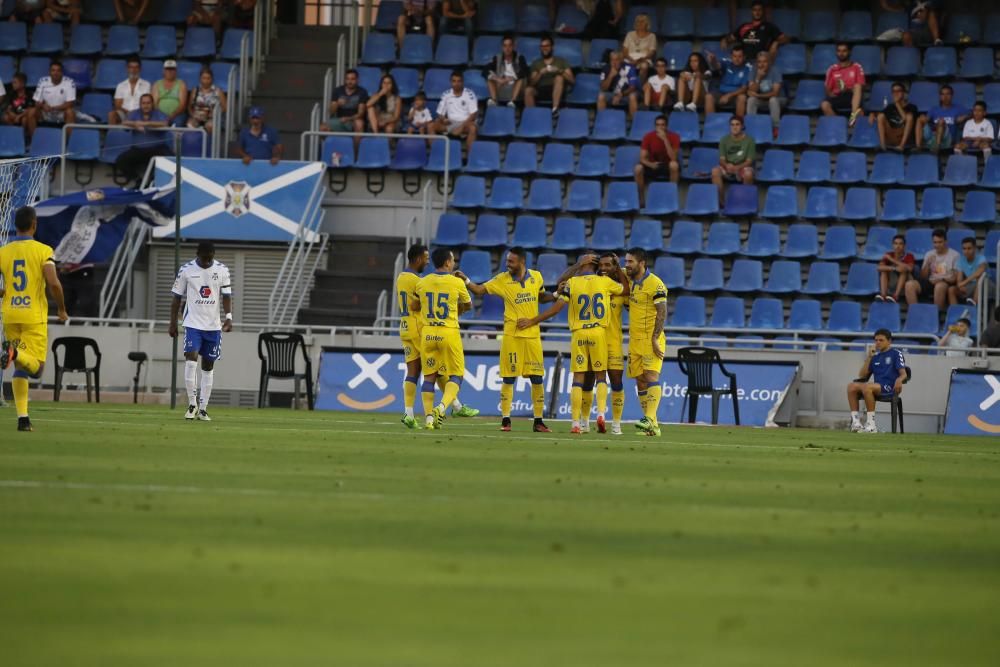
x,y
647,344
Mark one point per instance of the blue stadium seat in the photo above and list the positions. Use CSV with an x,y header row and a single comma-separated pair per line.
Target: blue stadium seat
x,y
808,96
723,239
767,313
646,234
747,276
569,234
530,232
598,48
536,123
763,240
883,315
991,174
452,230
991,32
891,21
609,125
820,59
34,68
436,160
869,56
821,203
373,153
902,61
878,243
594,161
728,313
493,308
805,314
781,201
670,270
544,194
888,169
864,135
959,310
963,25
785,277
11,141
793,131
626,157
491,231
97,105
507,194
379,49
684,124
483,158
485,48
13,37
831,132
343,147
117,142
741,201
716,126
899,206
918,241
189,72
585,90
407,80
474,81
470,192
937,204
232,40
860,204
789,20
840,243
584,196
862,279
199,42
855,26
573,125
369,77
760,128
961,171
557,159
410,155
956,235
778,165
990,247
878,98
521,158
437,80
452,51
685,238
701,161
608,234
46,141
844,316
532,19
476,265
46,39
529,47
977,63
499,122
814,167
689,311
7,68
642,124
676,52
85,40
851,168
711,22
496,17
175,11
921,318
220,72
161,42
661,199
678,22
417,50
78,70
791,60
940,62
702,199
921,170
551,265
802,241
569,50
819,27
824,278
623,197
980,208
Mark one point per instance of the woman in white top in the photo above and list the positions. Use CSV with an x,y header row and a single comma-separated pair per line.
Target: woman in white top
x,y
692,83
658,89
977,133
640,46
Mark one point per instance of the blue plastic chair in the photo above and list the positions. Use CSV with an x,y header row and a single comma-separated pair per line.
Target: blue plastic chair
x,y
878,98
608,234
573,125
902,61
677,22
864,135
161,42
869,56
781,201
437,80
529,47
11,141
685,238
78,70
410,155
474,81
801,241
921,318
232,39
824,278
822,56
840,243
937,204
199,42
568,234
878,243
496,18
507,194
814,167
891,20
862,279
702,199
545,194
805,314
585,90
477,265
961,171
379,49
960,310
921,170
532,19
536,123
778,165
598,47
85,40
883,315
980,208
609,125
626,158
521,158
623,197
14,37
175,11
763,240
584,196
499,122
109,74
747,276
741,201
760,128
716,126
940,62
483,158
676,53
646,234
855,26
711,22
7,68
670,270
977,63
569,50
957,234
436,159
991,174
967,25
97,105
470,192
723,239
485,48
821,203
831,132
491,231
452,231
728,313
791,60
689,311
888,169
642,124
685,125
452,51
373,153
343,147
557,159
407,81
767,313
117,142
844,316
594,162
46,39
417,50
530,232
899,206
785,277
793,131
860,204
851,168
661,199
819,27
918,241
46,141
808,96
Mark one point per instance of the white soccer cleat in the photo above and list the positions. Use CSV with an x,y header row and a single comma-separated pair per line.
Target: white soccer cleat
x,y
203,416
616,429
856,427
584,428
191,413
870,428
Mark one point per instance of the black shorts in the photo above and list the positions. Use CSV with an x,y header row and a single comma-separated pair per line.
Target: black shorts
x,y
841,102
544,93
658,174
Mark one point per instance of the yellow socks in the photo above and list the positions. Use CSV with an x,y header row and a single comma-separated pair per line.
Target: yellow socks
x,y
601,395
19,385
538,400
642,393
587,402
506,398
409,394
576,402
653,402
450,394
427,397
617,404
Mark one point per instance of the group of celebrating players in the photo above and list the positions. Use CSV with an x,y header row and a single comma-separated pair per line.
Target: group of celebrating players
x,y
595,290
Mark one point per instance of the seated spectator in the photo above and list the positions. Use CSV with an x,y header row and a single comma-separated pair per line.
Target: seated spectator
x,y
236,13
18,109
148,140
991,335
896,121
845,83
756,35
659,157
55,99
737,151
640,46
957,339
417,16
258,141
734,80
923,28
131,11
347,109
419,119
894,270
765,88
605,16
204,99
619,85
657,91
551,78
886,369
385,107
506,73
938,126
977,133
937,273
129,92
29,11
63,10
458,13
692,83
171,94
971,265
457,111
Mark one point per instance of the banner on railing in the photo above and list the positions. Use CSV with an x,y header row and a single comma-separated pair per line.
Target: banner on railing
x,y
973,403
227,200
371,381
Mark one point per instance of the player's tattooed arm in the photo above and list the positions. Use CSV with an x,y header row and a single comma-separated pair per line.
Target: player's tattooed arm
x,y
661,317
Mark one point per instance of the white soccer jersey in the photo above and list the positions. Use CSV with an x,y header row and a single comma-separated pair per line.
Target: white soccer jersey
x,y
458,108
203,290
974,130
55,94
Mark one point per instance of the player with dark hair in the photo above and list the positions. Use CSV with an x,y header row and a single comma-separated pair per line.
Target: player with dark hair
x,y
608,266
647,315
887,369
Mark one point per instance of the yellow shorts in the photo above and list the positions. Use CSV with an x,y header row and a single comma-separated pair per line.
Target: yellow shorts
x,y
411,348
442,352
616,360
520,357
589,350
30,338
642,359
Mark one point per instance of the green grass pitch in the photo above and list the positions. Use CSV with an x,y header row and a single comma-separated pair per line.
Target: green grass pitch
x,y
129,537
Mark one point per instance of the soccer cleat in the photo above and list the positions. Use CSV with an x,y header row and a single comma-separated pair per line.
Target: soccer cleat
x,y
870,428
642,423
540,427
654,429
585,428
505,424
856,427
575,430
24,424
438,415
409,422
429,423
601,424
616,429
7,355
464,411
191,413
203,416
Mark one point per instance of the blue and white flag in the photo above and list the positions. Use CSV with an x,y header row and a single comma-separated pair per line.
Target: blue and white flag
x,y
87,227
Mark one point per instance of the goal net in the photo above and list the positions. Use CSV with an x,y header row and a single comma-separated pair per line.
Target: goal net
x,y
22,183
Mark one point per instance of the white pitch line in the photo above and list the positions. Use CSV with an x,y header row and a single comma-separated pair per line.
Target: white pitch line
x,y
184,490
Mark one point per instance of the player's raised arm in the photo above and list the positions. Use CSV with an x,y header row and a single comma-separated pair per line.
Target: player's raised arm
x,y
55,287
478,290
575,269
621,276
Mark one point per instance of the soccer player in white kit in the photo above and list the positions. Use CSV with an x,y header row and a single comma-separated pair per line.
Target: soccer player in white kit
x,y
200,283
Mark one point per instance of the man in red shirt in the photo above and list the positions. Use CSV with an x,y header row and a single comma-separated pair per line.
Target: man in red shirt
x,y
845,83
894,270
658,157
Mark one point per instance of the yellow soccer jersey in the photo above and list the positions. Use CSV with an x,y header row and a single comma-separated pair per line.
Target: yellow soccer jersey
x,y
588,297
644,295
409,323
614,333
520,300
439,295
21,262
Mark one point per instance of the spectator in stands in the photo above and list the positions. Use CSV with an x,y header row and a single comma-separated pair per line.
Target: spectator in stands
x,y
604,16
63,10
734,80
171,94
259,141
129,92
131,11
385,107
737,151
977,133
756,35
765,88
692,83
640,46
419,119
149,140
939,125
887,370
991,335
29,11
659,157
894,270
506,73
19,107
937,273
971,265
55,99
417,16
658,89
845,83
551,77
924,27
224,14
619,85
457,111
896,121
957,339
456,13
347,110
204,99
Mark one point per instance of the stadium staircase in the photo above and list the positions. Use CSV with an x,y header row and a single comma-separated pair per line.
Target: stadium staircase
x,y
346,293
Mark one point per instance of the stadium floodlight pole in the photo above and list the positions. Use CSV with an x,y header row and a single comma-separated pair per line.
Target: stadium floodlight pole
x,y
177,258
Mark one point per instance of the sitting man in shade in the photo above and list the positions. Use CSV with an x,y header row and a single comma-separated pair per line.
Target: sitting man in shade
x,y
259,141
886,369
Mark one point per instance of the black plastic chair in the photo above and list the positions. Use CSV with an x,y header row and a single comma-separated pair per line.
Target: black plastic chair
x,y
895,401
74,360
696,363
277,360
139,358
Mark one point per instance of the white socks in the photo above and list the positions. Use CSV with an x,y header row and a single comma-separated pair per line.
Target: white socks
x,y
408,412
855,417
207,378
191,381
871,419
456,404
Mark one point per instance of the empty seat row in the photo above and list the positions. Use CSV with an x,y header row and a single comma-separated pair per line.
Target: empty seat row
x,y
83,144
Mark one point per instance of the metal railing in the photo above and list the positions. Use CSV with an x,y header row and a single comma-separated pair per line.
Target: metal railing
x,y
232,85
119,276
